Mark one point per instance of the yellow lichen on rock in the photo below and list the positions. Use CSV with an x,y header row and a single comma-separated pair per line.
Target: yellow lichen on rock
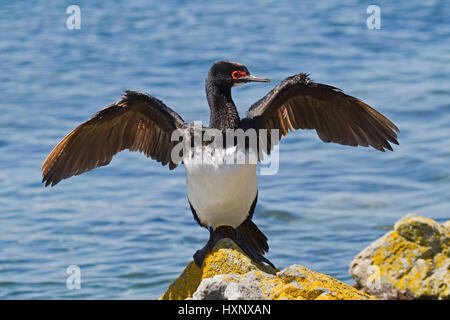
x,y
300,283
227,273
225,258
412,261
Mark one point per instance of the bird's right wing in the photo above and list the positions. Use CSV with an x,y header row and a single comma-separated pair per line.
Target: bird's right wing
x,y
138,122
299,103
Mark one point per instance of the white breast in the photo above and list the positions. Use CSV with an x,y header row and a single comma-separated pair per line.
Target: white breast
x,y
220,193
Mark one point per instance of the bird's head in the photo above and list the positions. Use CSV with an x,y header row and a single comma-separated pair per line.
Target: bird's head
x,y
231,74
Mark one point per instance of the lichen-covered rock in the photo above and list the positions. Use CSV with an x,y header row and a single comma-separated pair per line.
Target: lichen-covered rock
x,y
232,287
410,262
227,273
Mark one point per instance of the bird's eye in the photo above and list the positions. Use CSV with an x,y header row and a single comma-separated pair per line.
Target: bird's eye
x,y
238,74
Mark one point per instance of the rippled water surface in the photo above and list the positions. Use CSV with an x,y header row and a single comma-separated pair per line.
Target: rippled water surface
x,y
128,226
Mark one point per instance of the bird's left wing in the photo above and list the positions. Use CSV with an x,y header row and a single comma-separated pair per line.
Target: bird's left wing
x,y
138,122
299,103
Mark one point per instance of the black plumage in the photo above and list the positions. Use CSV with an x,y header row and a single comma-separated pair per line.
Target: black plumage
x,y
140,122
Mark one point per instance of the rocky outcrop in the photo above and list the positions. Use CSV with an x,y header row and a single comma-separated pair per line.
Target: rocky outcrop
x,y
410,262
227,273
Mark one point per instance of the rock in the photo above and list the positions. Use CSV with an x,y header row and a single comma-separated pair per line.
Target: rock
x,y
228,274
232,287
410,262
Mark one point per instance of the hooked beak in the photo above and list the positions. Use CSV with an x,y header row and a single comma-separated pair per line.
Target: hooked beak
x,y
251,78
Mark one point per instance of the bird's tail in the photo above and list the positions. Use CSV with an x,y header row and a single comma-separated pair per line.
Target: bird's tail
x,y
247,236
254,237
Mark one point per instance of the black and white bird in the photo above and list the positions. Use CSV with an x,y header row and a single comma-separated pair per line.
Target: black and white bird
x,y
222,196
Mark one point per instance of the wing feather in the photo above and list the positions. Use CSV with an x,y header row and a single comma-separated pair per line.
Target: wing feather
x,y
299,103
138,122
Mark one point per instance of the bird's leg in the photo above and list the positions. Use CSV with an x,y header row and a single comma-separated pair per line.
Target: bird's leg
x,y
255,256
200,255
236,235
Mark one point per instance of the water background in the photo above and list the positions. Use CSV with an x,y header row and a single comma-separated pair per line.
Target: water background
x,y
128,226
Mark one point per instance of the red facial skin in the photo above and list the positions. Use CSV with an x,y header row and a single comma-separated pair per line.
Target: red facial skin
x,y
238,74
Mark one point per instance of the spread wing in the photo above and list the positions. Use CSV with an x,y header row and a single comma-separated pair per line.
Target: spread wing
x,y
138,122
299,103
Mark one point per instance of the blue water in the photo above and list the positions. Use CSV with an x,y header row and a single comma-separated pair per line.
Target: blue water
x,y
128,226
